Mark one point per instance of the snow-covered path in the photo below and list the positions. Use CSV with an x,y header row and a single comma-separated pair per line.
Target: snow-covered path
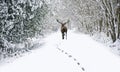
x,y
71,55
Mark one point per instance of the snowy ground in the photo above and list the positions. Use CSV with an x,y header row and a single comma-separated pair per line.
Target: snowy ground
x,y
79,53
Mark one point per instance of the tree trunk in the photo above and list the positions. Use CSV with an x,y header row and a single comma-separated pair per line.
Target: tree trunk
x,y
118,36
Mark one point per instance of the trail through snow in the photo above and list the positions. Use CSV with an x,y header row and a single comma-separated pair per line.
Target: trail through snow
x,y
79,53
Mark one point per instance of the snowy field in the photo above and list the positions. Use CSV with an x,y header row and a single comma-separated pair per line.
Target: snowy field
x,y
79,53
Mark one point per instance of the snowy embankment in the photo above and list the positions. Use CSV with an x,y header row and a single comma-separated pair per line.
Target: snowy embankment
x,y
79,53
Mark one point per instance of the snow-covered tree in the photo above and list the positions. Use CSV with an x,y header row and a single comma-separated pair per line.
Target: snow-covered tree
x,y
20,19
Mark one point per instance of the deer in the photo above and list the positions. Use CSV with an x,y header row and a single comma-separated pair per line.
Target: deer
x,y
63,28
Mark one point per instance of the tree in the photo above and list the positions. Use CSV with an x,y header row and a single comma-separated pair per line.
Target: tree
x,y
118,20
19,20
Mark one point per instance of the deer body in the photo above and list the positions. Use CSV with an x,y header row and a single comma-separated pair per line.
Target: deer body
x,y
63,29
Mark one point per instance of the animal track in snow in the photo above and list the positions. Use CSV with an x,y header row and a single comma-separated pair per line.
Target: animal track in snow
x,y
70,56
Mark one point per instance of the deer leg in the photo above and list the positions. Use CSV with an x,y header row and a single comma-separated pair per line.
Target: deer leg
x,y
63,35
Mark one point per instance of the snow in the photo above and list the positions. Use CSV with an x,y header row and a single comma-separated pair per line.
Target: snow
x,y
115,47
79,53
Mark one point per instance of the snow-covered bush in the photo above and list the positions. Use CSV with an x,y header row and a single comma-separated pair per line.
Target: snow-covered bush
x,y
19,20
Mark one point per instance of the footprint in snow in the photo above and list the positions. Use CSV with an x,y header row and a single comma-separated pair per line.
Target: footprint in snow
x,y
62,50
83,69
78,63
70,57
66,53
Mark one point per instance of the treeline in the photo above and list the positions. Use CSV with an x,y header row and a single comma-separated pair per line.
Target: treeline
x,y
96,16
110,20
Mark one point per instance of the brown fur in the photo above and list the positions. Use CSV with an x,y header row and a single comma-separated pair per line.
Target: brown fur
x,y
63,29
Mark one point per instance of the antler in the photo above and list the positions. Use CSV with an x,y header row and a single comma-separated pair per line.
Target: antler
x,y
61,22
58,21
67,22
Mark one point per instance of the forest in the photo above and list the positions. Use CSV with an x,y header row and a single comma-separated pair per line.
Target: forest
x,y
22,20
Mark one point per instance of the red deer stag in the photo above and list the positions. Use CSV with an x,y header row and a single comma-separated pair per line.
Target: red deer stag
x,y
63,28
